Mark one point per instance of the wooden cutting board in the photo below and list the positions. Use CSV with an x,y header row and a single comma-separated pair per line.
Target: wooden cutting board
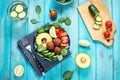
x,y
89,21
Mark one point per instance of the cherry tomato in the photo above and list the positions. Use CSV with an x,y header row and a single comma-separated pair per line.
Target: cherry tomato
x,y
53,14
59,32
64,39
106,34
108,24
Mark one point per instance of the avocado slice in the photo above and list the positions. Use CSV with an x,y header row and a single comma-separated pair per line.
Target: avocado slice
x,y
43,38
83,60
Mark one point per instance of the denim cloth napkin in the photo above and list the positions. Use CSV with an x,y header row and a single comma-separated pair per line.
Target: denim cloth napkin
x,y
47,65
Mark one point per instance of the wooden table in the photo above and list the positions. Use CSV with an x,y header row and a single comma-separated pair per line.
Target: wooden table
x,y
105,60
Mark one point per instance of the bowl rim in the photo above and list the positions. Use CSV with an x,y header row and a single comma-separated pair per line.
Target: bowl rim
x,y
66,3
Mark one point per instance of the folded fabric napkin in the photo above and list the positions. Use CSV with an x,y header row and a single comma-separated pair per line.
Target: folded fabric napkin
x,y
47,65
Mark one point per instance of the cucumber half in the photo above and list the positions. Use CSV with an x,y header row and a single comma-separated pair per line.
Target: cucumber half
x,y
96,26
13,14
22,15
19,8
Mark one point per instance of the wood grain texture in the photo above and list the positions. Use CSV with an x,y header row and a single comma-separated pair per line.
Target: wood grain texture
x,y
105,60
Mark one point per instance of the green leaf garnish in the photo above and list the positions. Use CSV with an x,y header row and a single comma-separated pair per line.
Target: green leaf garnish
x,y
68,75
64,52
34,21
68,21
38,9
56,24
62,19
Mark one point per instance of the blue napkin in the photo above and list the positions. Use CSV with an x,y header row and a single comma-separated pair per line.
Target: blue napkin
x,y
47,65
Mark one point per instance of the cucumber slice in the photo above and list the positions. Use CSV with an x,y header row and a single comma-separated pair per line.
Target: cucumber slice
x,y
98,23
93,10
13,14
19,8
59,57
22,15
96,27
98,18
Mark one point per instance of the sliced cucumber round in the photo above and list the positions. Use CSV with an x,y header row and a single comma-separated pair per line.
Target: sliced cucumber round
x,y
13,14
98,23
96,27
59,57
98,18
19,8
22,15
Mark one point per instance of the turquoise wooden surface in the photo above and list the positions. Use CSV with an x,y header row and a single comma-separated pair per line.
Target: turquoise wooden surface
x,y
105,60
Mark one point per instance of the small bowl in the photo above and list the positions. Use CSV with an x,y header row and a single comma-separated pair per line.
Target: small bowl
x,y
66,3
12,7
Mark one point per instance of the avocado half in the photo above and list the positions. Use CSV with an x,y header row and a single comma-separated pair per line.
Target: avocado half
x,y
43,38
83,60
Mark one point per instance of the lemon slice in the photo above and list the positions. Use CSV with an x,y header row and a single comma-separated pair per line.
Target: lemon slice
x,y
19,70
52,32
84,43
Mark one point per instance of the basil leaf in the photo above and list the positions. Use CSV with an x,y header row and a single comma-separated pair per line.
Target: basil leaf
x,y
38,9
68,21
34,21
62,19
67,75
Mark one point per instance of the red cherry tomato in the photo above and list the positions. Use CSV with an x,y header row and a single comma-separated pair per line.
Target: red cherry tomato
x,y
59,32
53,13
106,34
109,24
64,39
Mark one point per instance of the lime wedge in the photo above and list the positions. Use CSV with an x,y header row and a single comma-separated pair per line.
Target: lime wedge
x,y
52,32
19,70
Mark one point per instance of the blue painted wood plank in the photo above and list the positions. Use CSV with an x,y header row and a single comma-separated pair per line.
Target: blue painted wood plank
x,y
55,73
89,73
70,10
105,58
116,19
5,42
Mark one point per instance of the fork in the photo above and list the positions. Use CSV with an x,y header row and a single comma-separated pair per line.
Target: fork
x,y
29,48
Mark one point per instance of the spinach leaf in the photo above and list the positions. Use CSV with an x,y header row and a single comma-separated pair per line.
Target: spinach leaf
x,y
62,19
67,75
34,21
56,24
68,21
38,9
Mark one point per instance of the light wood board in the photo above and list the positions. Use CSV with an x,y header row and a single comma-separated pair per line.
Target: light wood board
x,y
89,21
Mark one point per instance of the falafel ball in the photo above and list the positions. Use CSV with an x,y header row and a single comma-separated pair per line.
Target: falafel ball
x,y
57,50
57,41
50,46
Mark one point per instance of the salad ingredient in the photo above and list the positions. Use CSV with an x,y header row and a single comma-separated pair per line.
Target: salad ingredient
x,y
19,8
53,32
50,46
64,39
83,60
60,57
56,24
57,41
59,32
67,75
64,51
93,10
38,9
43,38
65,20
53,14
13,14
40,48
106,34
108,24
19,70
57,50
98,18
84,43
34,21
96,26
22,15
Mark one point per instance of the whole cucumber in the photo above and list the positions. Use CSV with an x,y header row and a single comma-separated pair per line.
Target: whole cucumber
x,y
93,10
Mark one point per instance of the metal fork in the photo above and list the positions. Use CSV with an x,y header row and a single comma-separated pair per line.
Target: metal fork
x,y
29,48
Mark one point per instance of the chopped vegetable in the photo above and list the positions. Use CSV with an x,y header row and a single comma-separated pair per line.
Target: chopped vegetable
x,y
22,15
96,26
93,10
19,8
53,14
98,19
68,75
108,24
13,14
